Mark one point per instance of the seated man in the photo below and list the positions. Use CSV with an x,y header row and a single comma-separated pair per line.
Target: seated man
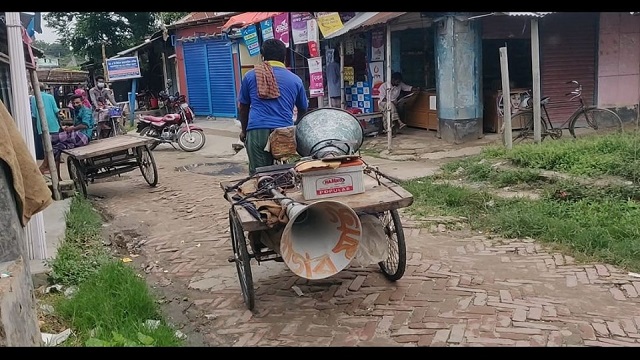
x,y
79,134
397,86
101,118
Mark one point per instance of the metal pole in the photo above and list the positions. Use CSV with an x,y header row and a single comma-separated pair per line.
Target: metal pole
x,y
535,71
342,74
34,230
388,87
506,98
46,137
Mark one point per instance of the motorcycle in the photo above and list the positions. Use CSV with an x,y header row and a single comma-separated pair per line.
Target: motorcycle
x,y
175,103
170,129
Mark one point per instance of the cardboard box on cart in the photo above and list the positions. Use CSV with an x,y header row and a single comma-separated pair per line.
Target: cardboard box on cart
x,y
346,179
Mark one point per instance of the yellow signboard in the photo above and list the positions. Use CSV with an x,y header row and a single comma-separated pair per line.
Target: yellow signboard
x,y
328,23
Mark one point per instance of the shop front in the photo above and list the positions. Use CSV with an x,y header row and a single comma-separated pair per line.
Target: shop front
x,y
207,65
568,51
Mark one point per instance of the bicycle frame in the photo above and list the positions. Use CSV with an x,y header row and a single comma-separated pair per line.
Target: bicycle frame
x,y
577,93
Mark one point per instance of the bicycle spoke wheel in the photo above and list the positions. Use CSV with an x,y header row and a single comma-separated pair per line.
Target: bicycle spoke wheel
x,y
595,120
522,125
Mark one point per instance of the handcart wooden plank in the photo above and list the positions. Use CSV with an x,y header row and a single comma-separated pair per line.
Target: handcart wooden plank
x,y
376,198
108,145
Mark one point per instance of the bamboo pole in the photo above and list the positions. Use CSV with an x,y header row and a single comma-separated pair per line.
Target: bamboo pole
x,y
342,88
388,88
535,71
506,98
46,137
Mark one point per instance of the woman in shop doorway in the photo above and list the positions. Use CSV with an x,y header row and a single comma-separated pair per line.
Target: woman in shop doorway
x,y
333,79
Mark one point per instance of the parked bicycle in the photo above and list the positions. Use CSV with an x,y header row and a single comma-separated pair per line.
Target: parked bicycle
x,y
584,117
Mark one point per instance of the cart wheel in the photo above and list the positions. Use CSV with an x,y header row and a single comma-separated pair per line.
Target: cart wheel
x,y
75,173
242,260
147,166
393,267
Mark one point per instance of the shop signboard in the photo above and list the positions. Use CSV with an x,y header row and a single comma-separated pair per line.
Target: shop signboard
x,y
266,26
316,85
281,28
377,46
299,33
123,68
250,36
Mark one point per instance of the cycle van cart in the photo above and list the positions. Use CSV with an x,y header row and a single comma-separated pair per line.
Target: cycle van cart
x,y
381,198
109,157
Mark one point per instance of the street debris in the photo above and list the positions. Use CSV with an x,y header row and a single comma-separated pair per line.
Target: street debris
x,y
180,335
47,309
4,275
635,275
55,339
126,260
211,316
297,290
53,289
152,324
68,292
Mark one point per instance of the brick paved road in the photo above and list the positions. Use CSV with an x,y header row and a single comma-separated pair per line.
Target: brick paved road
x,y
460,289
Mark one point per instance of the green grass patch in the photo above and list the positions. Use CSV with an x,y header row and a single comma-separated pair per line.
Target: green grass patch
x,y
592,222
112,303
81,253
478,169
111,308
611,154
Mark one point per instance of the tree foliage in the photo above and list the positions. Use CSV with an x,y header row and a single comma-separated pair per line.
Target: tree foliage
x,y
86,32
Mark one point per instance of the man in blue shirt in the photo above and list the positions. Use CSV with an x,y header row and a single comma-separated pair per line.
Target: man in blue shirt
x,y
79,134
268,94
51,113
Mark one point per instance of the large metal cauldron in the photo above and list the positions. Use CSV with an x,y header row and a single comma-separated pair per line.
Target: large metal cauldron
x,y
328,132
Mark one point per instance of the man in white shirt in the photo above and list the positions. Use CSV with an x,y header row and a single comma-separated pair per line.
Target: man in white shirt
x,y
397,87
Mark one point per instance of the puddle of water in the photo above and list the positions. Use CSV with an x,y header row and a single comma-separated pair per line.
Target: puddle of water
x,y
214,169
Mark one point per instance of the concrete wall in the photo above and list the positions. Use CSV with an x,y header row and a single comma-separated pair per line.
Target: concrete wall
x,y
619,63
18,316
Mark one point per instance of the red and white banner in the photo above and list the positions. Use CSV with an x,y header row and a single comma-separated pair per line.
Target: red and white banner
x,y
316,85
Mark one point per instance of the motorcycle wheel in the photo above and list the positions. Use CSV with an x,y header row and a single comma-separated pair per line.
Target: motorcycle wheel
x,y
144,132
191,143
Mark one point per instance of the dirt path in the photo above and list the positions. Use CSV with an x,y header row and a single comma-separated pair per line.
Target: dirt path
x,y
460,289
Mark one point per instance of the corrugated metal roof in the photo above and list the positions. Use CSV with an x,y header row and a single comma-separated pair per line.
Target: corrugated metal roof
x,y
248,18
365,19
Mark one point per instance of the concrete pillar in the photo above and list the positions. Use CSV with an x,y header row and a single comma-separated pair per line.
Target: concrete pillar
x,y
458,47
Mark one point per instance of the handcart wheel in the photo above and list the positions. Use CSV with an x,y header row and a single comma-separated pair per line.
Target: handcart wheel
x,y
76,175
147,166
242,260
394,266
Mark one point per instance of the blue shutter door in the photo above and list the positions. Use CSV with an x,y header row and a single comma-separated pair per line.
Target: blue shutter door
x,y
195,67
221,79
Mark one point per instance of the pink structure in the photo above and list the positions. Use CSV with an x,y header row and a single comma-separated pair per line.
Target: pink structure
x,y
619,60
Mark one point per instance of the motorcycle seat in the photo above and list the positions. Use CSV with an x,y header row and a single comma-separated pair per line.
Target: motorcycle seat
x,y
153,118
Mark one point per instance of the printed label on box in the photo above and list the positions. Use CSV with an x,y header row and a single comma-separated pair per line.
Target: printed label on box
x,y
334,184
360,97
367,104
366,90
359,84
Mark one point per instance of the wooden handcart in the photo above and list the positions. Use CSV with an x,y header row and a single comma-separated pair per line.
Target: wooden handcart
x,y
381,198
109,157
